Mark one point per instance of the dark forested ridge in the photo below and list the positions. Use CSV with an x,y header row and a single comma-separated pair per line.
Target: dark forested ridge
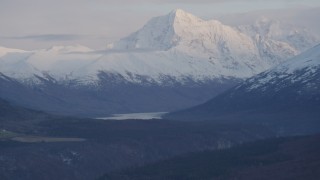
x,y
293,158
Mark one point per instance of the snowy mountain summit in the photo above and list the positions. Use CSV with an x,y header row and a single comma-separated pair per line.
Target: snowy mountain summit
x,y
161,33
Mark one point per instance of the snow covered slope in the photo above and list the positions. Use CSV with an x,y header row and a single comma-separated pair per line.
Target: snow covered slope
x,y
302,70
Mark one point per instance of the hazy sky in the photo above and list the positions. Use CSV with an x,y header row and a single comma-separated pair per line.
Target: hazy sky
x,y
30,24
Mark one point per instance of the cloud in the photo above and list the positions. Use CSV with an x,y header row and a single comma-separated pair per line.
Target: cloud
x,y
50,37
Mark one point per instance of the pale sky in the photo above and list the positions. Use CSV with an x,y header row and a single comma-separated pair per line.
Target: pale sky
x,y
33,24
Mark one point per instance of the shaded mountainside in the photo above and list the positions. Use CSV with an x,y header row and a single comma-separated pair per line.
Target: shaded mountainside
x,y
10,113
284,158
111,95
287,95
18,119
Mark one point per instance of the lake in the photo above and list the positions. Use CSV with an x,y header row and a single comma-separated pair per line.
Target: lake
x,y
141,116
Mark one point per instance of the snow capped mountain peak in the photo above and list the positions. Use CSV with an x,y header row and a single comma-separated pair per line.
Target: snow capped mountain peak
x,y
278,32
164,32
157,34
179,12
180,17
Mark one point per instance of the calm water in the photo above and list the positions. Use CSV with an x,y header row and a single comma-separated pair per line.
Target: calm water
x,y
141,116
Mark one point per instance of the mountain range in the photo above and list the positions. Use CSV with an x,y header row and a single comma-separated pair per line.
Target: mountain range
x,y
243,84
173,62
